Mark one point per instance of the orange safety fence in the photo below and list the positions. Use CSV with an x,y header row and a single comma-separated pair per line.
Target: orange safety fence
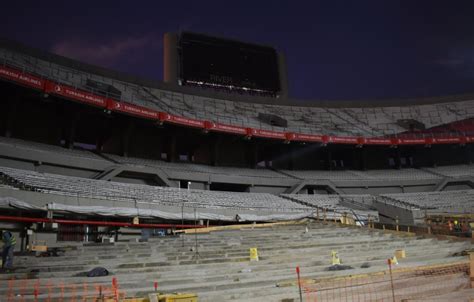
x,y
26,290
396,285
399,284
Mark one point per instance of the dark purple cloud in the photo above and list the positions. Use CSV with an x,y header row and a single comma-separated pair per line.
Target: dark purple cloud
x,y
108,53
334,49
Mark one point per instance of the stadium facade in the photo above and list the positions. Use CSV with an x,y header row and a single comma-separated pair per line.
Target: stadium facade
x,y
79,139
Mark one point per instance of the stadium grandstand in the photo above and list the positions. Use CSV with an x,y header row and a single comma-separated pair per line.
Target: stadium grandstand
x,y
169,184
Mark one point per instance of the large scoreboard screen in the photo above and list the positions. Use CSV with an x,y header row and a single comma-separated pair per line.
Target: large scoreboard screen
x,y
217,62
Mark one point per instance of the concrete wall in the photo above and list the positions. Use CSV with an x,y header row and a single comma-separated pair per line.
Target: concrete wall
x,y
69,171
385,187
405,217
453,187
52,158
129,180
170,58
266,189
17,164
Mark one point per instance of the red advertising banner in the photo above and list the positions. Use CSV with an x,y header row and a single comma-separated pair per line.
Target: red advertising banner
x,y
22,78
412,141
307,137
269,134
74,94
378,141
446,140
136,110
395,141
290,136
132,109
225,128
342,140
166,117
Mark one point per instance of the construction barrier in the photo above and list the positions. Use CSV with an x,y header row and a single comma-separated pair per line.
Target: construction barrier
x,y
38,290
176,297
400,254
391,285
253,254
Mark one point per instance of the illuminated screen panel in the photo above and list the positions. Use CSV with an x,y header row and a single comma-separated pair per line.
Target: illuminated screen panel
x,y
225,63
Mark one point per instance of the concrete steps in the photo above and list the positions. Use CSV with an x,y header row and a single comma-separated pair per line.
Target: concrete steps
x,y
222,270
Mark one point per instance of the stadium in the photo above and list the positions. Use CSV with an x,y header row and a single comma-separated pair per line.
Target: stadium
x,y
170,185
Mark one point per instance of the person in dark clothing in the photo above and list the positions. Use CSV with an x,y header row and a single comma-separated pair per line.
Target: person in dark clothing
x,y
9,242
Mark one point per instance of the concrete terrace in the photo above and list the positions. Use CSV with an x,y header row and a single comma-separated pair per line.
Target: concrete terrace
x,y
223,272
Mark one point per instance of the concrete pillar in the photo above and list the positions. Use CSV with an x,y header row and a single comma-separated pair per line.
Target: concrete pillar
x,y
126,138
329,159
71,133
170,58
251,149
161,146
292,151
398,163
431,157
471,268
100,137
190,155
283,73
363,151
470,153
171,149
215,144
11,117
466,152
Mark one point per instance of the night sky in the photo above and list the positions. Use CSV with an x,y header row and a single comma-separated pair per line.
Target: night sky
x,y
334,49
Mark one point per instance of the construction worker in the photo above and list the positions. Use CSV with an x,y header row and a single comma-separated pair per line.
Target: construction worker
x,y
450,226
9,242
457,227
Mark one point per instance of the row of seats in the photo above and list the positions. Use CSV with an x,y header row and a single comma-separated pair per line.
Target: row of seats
x,y
40,147
461,201
454,171
450,201
375,121
191,168
333,203
196,168
386,174
99,189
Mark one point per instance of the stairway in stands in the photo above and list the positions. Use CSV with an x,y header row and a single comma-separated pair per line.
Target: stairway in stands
x,y
219,269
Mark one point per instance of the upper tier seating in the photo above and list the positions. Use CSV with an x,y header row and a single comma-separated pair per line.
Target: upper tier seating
x,y
454,171
196,168
387,174
259,173
461,201
40,147
374,121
